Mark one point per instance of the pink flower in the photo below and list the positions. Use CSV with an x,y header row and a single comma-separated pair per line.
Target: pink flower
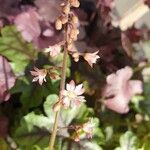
x,y
28,24
72,95
54,50
91,58
40,74
88,128
121,89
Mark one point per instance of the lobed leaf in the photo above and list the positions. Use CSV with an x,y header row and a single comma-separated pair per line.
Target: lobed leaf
x,y
13,47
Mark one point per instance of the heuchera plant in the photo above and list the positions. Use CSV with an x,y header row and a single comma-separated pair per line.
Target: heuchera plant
x,y
74,75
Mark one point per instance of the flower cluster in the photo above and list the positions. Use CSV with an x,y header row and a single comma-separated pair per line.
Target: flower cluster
x,y
67,15
69,19
40,74
84,131
71,23
71,97
73,32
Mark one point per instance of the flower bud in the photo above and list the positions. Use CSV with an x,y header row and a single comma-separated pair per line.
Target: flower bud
x,y
75,3
139,118
76,136
64,19
74,33
66,9
75,20
69,41
58,24
75,56
77,139
70,46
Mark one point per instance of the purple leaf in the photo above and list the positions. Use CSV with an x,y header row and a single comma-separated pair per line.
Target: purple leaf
x,y
28,24
8,7
106,3
120,89
48,9
7,79
3,126
46,41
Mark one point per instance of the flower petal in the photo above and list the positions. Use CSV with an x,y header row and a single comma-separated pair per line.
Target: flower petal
x,y
79,90
70,86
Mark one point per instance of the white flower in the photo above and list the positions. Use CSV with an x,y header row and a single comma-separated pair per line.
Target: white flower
x,y
72,95
91,58
54,50
88,128
40,74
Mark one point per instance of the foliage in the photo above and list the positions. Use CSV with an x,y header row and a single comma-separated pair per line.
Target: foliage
x,y
13,47
111,58
35,128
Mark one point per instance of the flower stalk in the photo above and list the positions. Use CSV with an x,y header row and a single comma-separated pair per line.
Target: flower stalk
x,y
70,35
62,87
69,21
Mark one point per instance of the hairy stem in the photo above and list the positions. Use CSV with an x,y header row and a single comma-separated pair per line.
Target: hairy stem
x,y
62,86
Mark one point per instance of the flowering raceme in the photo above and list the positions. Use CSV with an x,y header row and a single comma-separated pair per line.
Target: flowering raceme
x,y
72,95
120,89
40,74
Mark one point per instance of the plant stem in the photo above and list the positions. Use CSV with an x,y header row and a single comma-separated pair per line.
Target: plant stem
x,y
140,68
62,86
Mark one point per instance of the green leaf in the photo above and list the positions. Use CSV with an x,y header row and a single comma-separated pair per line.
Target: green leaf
x,y
136,100
33,125
146,145
145,105
90,145
67,115
32,94
146,48
82,145
74,113
36,147
128,141
13,47
34,129
48,104
3,145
